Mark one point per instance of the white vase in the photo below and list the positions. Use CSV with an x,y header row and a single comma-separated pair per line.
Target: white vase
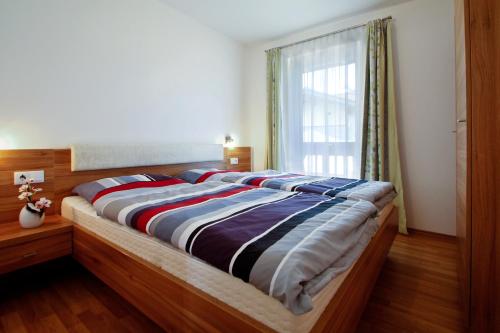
x,y
30,217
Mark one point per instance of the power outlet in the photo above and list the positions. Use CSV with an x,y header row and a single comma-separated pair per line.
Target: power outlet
x,y
38,176
233,160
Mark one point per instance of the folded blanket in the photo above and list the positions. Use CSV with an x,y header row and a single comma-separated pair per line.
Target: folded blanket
x,y
287,244
356,189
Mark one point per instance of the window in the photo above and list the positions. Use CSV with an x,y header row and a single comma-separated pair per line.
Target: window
x,y
322,105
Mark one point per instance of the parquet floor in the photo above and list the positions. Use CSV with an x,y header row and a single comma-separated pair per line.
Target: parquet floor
x,y
61,296
417,291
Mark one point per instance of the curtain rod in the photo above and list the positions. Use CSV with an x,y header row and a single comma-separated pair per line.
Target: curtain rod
x,y
327,34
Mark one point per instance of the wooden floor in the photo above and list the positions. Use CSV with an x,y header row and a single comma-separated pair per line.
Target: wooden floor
x,y
416,292
61,296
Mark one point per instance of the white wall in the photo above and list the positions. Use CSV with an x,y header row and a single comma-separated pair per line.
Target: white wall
x,y
424,55
113,70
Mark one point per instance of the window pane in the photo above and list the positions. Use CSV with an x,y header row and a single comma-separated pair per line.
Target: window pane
x,y
336,80
351,81
319,81
313,164
322,82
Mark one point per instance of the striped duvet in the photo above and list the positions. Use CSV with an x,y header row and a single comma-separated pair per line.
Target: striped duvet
x,y
287,244
356,189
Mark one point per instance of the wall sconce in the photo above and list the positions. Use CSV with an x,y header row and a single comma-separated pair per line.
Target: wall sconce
x,y
228,141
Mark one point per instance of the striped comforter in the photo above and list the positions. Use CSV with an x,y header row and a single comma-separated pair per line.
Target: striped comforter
x,y
356,189
287,244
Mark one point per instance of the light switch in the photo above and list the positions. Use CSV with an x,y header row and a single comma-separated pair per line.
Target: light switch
x,y
233,160
37,175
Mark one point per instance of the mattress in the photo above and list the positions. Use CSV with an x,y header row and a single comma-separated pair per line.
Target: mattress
x,y
226,288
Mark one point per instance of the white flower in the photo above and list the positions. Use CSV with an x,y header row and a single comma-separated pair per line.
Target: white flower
x,y
23,188
38,189
24,195
43,203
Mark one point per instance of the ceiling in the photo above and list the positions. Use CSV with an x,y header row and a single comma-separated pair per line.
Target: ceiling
x,y
250,21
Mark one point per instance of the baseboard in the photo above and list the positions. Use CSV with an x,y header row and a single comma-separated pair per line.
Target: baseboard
x,y
430,233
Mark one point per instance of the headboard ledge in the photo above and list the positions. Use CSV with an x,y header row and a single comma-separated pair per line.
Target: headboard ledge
x,y
60,179
110,156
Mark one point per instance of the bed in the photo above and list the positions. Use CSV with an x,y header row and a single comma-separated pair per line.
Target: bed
x,y
377,192
159,280
214,282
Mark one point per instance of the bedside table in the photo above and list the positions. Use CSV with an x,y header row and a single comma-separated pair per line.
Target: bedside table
x,y
25,247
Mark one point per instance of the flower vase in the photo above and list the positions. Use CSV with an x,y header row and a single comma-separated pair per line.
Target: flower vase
x,y
31,217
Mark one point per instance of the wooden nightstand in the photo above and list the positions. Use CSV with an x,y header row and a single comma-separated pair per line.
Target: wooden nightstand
x,y
24,247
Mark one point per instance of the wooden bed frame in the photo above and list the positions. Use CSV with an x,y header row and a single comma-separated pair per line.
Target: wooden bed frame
x,y
176,305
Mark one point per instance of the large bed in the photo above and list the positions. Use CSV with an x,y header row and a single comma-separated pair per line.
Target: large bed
x,y
218,284
184,294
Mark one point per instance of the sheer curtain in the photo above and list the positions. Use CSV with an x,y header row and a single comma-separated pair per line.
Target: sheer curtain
x,y
322,87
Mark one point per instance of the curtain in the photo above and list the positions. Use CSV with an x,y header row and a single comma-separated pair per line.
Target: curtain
x,y
380,153
273,108
322,84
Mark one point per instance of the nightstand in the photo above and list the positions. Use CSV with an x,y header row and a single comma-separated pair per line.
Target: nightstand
x,y
25,247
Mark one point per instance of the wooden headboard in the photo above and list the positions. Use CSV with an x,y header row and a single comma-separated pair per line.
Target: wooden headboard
x,y
60,180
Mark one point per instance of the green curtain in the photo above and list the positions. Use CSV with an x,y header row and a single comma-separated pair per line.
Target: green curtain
x,y
380,150
273,107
